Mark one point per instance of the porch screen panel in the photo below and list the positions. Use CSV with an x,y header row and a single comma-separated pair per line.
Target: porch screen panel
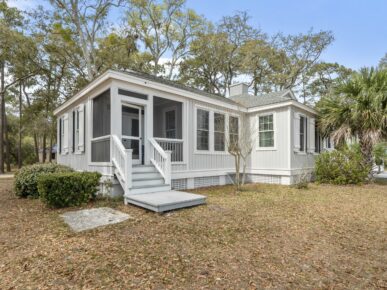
x,y
100,150
101,115
100,143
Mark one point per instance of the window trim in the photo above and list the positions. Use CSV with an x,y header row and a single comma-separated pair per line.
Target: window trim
x,y
305,134
211,141
224,132
272,148
196,130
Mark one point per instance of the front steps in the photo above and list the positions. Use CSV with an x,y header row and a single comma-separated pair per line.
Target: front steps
x,y
146,179
150,191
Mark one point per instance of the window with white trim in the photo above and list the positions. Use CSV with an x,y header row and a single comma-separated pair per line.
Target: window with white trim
x,y
303,134
266,131
233,131
61,134
219,131
202,129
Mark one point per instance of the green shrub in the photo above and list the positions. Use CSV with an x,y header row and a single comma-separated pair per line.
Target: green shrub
x,y
26,183
68,189
341,167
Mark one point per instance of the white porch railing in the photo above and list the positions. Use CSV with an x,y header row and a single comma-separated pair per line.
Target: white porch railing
x,y
122,160
161,160
173,145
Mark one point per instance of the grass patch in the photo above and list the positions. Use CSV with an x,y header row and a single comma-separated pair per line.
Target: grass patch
x,y
266,236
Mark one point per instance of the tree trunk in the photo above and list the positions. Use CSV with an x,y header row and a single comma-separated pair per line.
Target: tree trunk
x,y
366,151
36,145
44,148
7,149
50,149
19,147
2,110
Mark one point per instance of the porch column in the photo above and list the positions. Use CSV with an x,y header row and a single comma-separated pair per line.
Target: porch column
x,y
148,129
116,112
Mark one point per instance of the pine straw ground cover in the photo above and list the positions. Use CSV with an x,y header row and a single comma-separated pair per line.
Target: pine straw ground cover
x,y
267,236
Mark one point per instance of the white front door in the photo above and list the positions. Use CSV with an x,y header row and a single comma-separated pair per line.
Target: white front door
x,y
132,130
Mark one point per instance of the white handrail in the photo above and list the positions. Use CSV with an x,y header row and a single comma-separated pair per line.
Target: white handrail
x,y
122,160
161,160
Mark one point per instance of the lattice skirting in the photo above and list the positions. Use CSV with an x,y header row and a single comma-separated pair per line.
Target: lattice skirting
x,y
272,179
179,184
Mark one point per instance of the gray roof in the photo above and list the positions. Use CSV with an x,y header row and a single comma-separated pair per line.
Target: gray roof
x,y
250,101
177,85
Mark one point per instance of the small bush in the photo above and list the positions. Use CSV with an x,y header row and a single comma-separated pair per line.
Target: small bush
x,y
26,183
341,167
68,189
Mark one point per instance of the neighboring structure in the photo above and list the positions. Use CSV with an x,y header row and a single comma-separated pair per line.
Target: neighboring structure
x,y
147,134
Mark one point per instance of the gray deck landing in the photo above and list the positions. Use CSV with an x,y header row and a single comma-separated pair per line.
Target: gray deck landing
x,y
165,200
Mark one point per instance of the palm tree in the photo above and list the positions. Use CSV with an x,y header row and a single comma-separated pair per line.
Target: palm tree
x,y
357,107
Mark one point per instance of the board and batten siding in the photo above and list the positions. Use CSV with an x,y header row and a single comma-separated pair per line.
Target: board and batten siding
x,y
302,160
207,160
76,160
276,158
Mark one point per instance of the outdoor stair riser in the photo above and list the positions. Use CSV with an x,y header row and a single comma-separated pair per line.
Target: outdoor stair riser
x,y
144,182
142,175
144,168
149,189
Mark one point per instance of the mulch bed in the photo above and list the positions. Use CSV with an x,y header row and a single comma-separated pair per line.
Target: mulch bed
x,y
266,236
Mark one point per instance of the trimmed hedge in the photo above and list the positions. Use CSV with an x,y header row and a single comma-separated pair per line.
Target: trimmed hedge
x,y
341,167
68,189
26,179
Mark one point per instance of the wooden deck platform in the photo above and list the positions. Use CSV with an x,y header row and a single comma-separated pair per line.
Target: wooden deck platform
x,y
165,200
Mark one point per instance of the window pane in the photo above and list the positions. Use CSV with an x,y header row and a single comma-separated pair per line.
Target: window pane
x,y
233,124
266,139
218,122
101,115
203,119
202,140
100,151
302,136
219,141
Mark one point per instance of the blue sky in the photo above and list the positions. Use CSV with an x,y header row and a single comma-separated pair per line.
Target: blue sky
x,y
359,26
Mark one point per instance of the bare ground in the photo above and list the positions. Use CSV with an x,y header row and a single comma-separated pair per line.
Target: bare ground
x,y
267,236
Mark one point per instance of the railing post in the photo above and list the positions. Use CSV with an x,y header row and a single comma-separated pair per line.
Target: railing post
x,y
168,169
128,167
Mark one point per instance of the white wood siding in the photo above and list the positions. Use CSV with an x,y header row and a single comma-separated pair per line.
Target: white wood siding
x,y
277,158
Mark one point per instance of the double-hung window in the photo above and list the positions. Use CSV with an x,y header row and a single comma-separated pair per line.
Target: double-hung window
x,y
233,129
266,131
219,131
202,129
303,134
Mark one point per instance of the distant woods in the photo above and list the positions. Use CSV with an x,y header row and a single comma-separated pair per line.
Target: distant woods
x,y
51,52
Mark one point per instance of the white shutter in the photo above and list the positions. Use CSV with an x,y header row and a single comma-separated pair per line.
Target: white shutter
x,y
311,141
66,133
81,138
296,121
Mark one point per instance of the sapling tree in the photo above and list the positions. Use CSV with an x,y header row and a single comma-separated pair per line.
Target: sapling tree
x,y
240,142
